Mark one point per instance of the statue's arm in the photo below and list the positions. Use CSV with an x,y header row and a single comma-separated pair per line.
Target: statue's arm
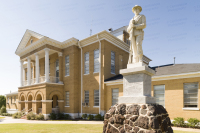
x,y
129,26
143,24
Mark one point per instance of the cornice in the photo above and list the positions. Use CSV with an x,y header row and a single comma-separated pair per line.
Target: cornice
x,y
107,36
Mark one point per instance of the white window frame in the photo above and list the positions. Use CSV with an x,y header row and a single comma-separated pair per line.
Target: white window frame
x,y
113,96
96,61
191,108
163,94
67,99
86,63
96,95
112,63
67,67
87,96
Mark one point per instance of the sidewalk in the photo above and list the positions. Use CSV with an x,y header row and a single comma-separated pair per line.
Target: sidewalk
x,y
10,120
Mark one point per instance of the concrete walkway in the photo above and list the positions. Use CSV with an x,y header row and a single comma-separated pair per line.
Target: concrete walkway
x,y
10,120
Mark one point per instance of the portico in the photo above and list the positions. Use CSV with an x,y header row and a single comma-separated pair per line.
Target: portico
x,y
33,64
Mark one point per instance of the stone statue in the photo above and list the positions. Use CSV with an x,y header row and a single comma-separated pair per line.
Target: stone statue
x,y
136,35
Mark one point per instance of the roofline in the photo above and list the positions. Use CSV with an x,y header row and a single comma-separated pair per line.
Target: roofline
x,y
13,93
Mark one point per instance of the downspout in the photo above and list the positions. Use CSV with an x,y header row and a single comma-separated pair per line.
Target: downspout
x,y
99,74
81,76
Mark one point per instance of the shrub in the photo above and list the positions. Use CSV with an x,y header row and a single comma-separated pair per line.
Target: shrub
x,y
67,117
40,117
52,116
3,109
17,115
193,122
90,117
6,114
60,116
97,117
84,116
102,118
31,116
179,121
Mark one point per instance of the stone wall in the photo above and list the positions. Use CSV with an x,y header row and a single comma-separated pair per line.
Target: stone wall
x,y
137,118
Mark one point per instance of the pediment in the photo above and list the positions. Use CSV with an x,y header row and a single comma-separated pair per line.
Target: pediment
x,y
26,40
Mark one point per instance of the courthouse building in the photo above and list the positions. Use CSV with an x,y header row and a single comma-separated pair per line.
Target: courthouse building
x,y
82,76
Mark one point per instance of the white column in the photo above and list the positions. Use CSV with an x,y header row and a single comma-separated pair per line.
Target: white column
x,y
37,75
22,74
46,64
29,70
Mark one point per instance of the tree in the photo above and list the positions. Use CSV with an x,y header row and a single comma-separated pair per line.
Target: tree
x,y
2,101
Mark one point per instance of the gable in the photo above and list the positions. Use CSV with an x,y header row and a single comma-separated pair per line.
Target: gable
x,y
26,40
34,39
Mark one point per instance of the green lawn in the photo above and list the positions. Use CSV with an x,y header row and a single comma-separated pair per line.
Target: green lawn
x,y
2,117
54,128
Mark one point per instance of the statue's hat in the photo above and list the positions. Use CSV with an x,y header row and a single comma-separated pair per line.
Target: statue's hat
x,y
136,6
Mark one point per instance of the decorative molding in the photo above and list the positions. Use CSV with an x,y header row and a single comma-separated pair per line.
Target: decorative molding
x,y
60,100
60,54
46,100
190,108
27,101
36,101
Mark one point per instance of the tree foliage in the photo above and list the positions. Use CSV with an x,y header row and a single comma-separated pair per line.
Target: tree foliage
x,y
2,101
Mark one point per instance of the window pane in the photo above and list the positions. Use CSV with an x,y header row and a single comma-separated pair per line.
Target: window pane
x,y
96,97
159,94
115,95
112,62
86,96
96,60
67,98
190,95
67,65
86,63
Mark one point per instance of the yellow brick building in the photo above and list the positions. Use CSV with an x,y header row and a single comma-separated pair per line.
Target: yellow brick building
x,y
82,76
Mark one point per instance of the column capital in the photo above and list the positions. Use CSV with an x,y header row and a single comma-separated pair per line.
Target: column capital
x,y
21,61
36,54
60,54
46,49
28,58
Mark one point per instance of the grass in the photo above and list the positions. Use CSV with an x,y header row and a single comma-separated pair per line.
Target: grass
x,y
54,128
2,117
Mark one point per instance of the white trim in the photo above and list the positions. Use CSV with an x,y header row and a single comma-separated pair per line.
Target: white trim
x,y
190,108
121,80
172,76
113,73
46,100
95,106
27,101
36,101
114,84
99,75
67,75
41,83
67,106
95,72
60,100
87,74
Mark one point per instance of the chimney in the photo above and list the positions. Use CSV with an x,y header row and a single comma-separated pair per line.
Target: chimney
x,y
174,60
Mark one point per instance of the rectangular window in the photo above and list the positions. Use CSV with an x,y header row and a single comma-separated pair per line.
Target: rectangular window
x,y
115,95
87,63
96,60
67,98
112,62
86,96
67,65
96,97
190,95
159,94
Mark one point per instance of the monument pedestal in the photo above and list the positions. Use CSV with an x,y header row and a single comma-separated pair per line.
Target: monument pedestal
x,y
137,84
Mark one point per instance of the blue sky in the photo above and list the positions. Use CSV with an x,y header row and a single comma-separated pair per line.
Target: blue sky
x,y
172,28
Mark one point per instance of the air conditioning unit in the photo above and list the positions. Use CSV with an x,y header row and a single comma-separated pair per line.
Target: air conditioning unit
x,y
87,104
83,104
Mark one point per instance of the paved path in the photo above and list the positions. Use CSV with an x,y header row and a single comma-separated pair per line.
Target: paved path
x,y
9,120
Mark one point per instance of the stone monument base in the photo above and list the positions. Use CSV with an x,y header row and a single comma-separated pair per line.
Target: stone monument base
x,y
137,118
